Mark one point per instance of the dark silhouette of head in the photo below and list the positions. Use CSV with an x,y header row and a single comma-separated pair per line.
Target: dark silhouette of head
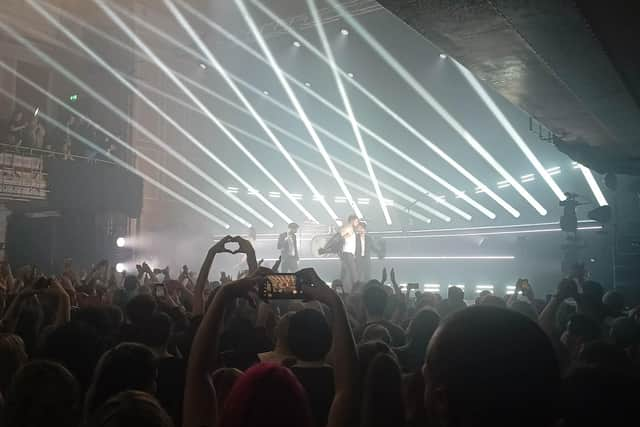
x,y
486,366
267,395
131,408
43,393
309,335
614,302
156,331
140,309
368,351
130,283
376,332
77,346
455,294
419,333
127,366
12,357
625,332
382,400
375,300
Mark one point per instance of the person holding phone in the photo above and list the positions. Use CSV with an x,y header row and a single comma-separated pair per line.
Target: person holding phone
x,y
244,405
288,245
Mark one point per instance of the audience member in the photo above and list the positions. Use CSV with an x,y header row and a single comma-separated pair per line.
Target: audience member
x,y
484,365
281,351
382,401
421,329
487,366
127,366
453,303
310,342
131,408
375,301
12,357
43,393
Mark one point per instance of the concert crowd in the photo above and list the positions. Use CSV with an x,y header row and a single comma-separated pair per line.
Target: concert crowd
x,y
162,349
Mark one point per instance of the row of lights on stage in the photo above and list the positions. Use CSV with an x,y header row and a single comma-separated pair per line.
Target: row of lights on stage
x,y
436,288
556,170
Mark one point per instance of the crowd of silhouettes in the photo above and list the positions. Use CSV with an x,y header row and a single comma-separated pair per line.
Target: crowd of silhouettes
x,y
154,349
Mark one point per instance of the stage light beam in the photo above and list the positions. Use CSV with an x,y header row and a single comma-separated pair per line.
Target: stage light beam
x,y
223,73
453,123
458,193
115,159
511,131
348,108
169,73
593,185
112,136
296,103
38,8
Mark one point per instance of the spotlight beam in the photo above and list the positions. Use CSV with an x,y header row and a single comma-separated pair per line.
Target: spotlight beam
x,y
170,120
387,110
358,187
459,193
593,185
343,143
112,136
71,77
118,161
310,146
348,166
216,64
347,105
205,89
165,69
508,127
453,123
296,103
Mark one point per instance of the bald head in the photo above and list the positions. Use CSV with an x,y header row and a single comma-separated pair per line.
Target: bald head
x,y
490,366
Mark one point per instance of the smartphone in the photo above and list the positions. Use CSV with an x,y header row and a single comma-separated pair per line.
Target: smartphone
x,y
281,286
158,291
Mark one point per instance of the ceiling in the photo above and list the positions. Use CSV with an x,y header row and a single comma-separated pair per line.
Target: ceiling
x,y
569,64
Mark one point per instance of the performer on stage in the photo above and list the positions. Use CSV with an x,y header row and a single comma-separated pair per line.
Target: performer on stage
x,y
348,270
288,245
365,246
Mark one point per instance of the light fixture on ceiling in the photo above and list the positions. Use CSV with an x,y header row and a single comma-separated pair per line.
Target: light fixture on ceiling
x,y
443,56
344,32
296,43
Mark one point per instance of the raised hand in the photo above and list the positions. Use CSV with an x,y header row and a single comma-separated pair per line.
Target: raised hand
x,y
384,276
244,246
392,275
219,247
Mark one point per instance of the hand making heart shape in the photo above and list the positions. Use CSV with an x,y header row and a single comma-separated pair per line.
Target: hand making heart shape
x,y
233,245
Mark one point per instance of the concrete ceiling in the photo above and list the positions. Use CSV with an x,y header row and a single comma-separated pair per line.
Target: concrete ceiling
x,y
546,57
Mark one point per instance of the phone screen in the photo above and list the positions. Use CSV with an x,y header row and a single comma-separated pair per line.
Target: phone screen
x,y
281,286
159,292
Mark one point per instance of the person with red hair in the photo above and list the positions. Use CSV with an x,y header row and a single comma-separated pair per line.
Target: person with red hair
x,y
267,394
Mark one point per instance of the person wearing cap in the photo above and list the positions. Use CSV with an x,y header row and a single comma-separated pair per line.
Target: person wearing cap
x,y
288,245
